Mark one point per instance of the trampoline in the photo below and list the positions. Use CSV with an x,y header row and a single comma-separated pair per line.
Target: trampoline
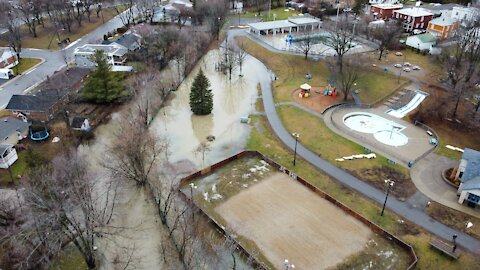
x,y
39,135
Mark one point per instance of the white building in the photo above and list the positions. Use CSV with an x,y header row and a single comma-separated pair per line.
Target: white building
x,y
8,155
423,42
465,14
293,24
376,2
468,171
115,54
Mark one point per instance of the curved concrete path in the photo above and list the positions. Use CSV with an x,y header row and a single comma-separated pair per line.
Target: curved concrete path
x,y
403,209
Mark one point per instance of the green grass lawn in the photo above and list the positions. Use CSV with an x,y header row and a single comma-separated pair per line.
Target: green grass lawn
x,y
281,13
47,38
25,64
289,69
69,259
375,85
317,137
18,168
262,139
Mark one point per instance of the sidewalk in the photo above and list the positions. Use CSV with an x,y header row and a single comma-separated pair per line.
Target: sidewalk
x,y
426,174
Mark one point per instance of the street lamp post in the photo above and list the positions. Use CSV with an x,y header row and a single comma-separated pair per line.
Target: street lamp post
x,y
296,136
288,265
389,185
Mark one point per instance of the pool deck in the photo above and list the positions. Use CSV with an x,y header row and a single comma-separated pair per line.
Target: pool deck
x,y
418,139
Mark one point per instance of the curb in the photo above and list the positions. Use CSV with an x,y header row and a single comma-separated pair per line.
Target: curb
x,y
42,60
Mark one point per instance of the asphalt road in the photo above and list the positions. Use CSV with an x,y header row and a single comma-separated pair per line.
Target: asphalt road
x,y
405,209
53,61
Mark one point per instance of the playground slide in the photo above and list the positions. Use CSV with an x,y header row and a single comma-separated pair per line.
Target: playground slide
x,y
416,100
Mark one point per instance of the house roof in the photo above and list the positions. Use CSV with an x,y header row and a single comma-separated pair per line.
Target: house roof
x,y
77,122
424,38
4,147
272,25
472,171
441,7
414,12
303,20
388,6
39,103
472,184
443,21
131,41
9,125
111,49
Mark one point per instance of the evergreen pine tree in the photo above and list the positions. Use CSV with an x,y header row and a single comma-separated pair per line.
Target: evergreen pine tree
x,y
201,96
103,85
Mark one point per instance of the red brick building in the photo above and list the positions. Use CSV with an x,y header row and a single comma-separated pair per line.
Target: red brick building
x,y
413,18
384,11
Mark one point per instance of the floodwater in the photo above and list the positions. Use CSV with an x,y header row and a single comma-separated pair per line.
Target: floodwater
x,y
184,131
231,100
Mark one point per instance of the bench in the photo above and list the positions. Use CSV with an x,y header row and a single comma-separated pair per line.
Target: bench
x,y
445,248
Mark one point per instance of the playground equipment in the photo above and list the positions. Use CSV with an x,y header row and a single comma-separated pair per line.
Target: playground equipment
x,y
39,135
330,91
304,90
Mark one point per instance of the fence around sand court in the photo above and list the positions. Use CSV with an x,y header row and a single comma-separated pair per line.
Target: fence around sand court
x,y
255,261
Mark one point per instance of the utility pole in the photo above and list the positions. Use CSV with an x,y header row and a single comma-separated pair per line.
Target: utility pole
x,y
389,185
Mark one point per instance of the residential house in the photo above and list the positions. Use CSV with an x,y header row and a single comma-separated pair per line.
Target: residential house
x,y
465,15
81,124
8,59
8,155
38,108
413,18
468,171
422,42
384,11
443,27
129,40
441,9
116,55
376,2
12,130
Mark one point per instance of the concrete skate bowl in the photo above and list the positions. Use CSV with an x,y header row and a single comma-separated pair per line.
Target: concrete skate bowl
x,y
275,215
383,130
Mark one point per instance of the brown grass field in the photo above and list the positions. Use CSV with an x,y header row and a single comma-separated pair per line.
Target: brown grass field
x,y
288,221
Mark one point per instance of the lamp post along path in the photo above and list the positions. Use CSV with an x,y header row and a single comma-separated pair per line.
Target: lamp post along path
x,y
389,185
296,136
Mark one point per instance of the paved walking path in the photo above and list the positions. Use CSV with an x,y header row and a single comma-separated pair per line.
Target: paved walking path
x,y
426,174
404,209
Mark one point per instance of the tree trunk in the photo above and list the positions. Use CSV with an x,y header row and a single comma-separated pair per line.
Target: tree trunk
x,y
456,106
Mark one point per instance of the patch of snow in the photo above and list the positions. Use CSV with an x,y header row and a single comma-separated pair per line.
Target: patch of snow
x,y
216,196
245,185
214,188
205,196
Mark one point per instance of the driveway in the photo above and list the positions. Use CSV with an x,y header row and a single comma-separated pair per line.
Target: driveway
x,y
427,176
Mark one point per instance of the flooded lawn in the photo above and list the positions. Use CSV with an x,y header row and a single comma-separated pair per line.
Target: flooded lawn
x,y
232,99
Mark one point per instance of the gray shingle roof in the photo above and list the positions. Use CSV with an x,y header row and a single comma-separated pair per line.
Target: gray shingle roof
x,y
472,171
131,41
39,103
9,125
472,184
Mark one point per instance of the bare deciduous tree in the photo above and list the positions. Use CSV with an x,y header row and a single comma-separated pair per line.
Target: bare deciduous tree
x,y
66,205
387,35
305,44
241,55
340,39
349,77
10,18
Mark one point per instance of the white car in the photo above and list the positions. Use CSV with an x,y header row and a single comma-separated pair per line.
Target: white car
x,y
416,68
407,69
406,64
398,65
399,54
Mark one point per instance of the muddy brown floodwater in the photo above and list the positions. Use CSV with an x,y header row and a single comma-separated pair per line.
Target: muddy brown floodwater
x,y
135,211
231,100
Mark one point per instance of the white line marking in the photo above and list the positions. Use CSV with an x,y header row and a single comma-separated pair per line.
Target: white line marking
x,y
29,71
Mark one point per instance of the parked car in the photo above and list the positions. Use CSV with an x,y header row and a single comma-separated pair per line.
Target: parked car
x,y
407,69
416,68
407,64
398,65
